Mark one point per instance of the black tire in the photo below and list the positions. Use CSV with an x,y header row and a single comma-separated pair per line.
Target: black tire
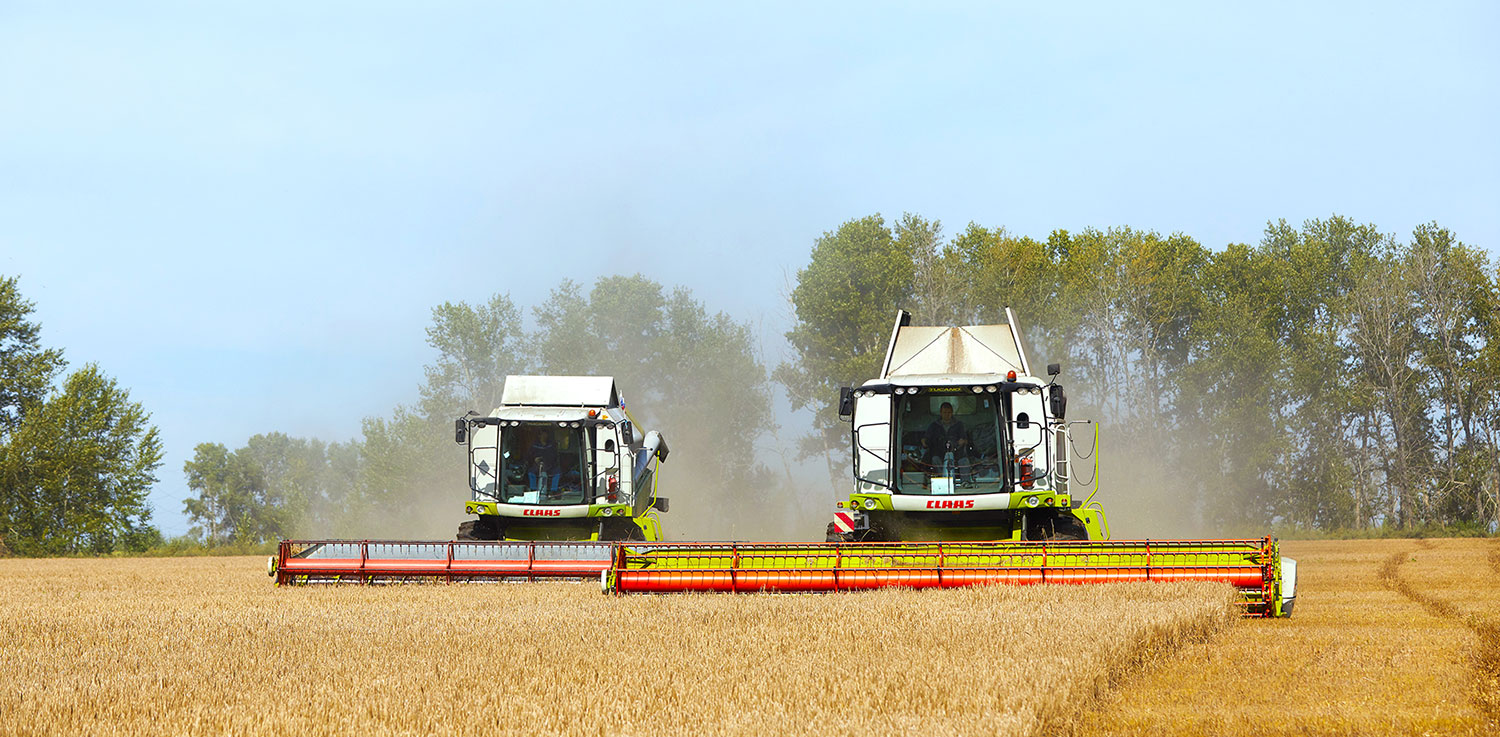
x,y
634,533
833,535
620,529
478,530
1067,527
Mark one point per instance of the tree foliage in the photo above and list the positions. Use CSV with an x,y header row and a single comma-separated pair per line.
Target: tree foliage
x,y
845,301
76,460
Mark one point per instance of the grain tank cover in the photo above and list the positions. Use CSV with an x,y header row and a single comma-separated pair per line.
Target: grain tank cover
x,y
971,349
560,391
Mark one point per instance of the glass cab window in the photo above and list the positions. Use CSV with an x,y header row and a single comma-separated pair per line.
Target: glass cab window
x,y
543,464
949,444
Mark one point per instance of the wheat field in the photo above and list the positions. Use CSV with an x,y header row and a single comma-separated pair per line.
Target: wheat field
x,y
1390,637
209,646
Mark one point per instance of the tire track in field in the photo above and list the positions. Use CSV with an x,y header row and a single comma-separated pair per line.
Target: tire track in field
x,y
1485,658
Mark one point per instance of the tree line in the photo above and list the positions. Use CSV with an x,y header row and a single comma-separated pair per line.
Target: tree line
x,y
1328,377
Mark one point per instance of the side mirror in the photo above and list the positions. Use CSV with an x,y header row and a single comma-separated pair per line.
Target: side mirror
x,y
460,431
1054,369
1059,400
846,402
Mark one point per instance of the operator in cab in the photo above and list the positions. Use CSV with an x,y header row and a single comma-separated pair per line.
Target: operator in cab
x,y
542,472
947,435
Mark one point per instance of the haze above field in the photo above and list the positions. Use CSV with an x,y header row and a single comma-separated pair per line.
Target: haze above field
x,y
246,215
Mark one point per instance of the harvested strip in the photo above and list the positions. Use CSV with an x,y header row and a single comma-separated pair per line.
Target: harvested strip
x,y
1440,575
206,646
1356,658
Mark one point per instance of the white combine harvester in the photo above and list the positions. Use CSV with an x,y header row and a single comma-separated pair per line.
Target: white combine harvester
x,y
560,459
958,440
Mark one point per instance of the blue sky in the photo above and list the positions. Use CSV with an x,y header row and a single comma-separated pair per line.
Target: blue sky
x,y
245,213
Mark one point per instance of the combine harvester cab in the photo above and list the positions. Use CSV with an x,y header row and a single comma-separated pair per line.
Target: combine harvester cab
x,y
561,459
958,441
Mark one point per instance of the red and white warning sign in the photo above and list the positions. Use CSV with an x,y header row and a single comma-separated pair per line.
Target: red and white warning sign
x,y
843,521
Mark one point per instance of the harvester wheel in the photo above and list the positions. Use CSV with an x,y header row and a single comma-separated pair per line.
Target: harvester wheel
x,y
1055,526
834,536
1067,527
478,529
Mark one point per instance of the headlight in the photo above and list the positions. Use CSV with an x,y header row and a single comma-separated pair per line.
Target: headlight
x,y
990,389
608,512
869,504
1031,501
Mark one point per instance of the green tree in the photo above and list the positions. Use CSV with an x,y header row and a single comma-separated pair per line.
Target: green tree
x,y
411,478
693,375
26,368
76,461
845,303
234,505
1000,270
477,347
1452,289
565,341
78,469
1232,441
296,477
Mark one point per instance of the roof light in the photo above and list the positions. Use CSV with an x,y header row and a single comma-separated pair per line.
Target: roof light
x,y
1010,375
978,390
990,388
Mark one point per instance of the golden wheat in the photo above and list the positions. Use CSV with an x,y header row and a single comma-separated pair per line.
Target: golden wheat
x,y
1359,657
208,646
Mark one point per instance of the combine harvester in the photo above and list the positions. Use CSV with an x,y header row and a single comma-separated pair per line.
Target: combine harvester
x,y
962,477
559,460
